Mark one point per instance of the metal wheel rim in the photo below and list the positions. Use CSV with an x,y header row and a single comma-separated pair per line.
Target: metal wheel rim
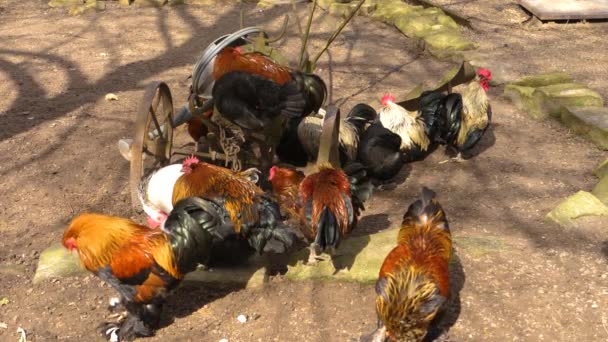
x,y
156,93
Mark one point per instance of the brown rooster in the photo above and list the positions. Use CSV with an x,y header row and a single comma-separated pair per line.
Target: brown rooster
x,y
413,284
286,186
251,89
331,202
140,263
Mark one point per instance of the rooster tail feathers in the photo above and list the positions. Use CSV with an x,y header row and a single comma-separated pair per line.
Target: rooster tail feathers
x,y
448,122
430,105
293,100
427,210
328,233
269,234
192,226
361,186
314,90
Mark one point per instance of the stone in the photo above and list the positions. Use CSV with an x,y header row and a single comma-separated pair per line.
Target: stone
x,y
541,80
590,122
57,262
415,25
252,275
64,3
444,43
389,12
580,204
601,170
556,96
522,97
601,190
150,3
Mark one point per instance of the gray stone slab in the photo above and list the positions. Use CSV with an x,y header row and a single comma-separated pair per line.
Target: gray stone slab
x,y
567,9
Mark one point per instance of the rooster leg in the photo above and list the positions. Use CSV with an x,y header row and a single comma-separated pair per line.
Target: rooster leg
x,y
313,258
457,159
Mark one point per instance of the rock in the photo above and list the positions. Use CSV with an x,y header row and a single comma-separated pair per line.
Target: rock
x,y
390,11
601,170
590,122
522,97
601,190
554,97
76,10
580,204
251,275
57,262
444,43
415,24
150,3
541,80
64,3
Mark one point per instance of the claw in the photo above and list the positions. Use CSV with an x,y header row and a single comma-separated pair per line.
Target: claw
x,y
110,331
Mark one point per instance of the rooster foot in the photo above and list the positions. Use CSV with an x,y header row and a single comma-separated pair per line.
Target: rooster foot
x,y
386,186
115,305
110,331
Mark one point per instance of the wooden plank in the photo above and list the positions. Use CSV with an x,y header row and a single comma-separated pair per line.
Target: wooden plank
x,y
567,9
328,146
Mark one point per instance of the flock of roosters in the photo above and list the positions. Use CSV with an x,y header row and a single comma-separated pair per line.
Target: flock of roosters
x,y
194,205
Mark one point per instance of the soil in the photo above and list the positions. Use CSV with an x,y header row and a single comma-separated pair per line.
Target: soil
x,y
58,157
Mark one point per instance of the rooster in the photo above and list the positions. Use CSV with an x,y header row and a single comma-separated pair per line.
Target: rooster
x,y
236,199
413,284
155,190
143,265
286,186
250,89
379,149
310,128
415,128
331,202
466,115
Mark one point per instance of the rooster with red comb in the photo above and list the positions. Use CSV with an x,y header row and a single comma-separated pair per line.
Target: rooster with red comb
x,y
466,115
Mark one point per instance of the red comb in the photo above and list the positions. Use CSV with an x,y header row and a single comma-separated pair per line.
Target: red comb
x,y
387,98
485,73
190,160
272,172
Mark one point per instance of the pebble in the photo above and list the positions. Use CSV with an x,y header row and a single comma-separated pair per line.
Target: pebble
x,y
224,340
242,318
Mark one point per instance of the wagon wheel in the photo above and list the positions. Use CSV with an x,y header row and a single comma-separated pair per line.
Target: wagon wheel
x,y
153,138
330,135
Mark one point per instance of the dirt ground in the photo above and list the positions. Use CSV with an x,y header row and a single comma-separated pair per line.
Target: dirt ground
x,y
535,281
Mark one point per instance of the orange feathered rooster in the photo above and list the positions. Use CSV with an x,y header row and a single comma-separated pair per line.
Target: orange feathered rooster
x,y
328,202
140,263
413,284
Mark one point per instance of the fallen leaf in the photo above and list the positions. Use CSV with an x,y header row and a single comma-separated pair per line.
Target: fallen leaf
x,y
4,301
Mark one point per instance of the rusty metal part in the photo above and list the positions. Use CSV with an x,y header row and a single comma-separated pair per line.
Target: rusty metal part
x,y
153,137
329,141
460,74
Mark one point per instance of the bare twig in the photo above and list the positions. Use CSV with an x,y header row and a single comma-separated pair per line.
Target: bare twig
x,y
305,39
331,39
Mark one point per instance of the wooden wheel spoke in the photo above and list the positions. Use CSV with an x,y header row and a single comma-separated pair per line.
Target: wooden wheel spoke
x,y
156,124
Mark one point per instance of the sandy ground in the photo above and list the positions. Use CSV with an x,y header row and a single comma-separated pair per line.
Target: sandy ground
x,y
523,279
